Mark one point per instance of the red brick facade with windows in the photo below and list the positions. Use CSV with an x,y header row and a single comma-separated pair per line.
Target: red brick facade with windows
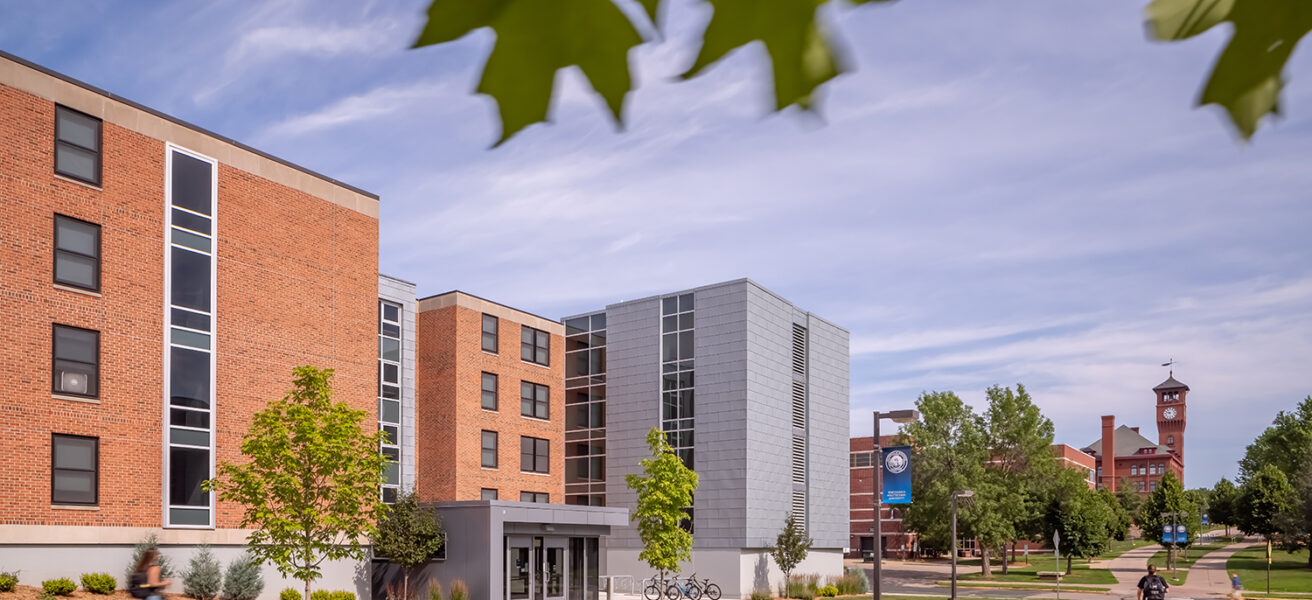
x,y
1126,457
449,413
297,283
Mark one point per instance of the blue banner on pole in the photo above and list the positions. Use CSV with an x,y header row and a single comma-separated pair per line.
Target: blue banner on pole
x,y
1168,535
897,475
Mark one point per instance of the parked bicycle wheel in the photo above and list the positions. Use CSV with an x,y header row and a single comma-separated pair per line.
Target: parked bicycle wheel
x,y
712,591
651,592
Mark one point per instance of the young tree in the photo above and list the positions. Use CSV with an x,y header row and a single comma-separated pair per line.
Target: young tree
x,y
1222,509
1129,499
408,535
1084,519
204,577
790,548
1169,498
1263,498
950,449
1119,524
310,480
664,490
150,541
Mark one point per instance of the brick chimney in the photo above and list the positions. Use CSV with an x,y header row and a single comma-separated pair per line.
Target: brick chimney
x,y
1108,452
1134,429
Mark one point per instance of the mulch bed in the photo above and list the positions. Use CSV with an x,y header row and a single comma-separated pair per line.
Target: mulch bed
x,y
27,592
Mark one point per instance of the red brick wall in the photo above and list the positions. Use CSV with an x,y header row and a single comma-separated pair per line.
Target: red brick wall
x,y
297,284
450,418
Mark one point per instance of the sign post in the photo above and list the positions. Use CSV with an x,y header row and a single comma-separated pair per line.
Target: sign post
x,y
1056,550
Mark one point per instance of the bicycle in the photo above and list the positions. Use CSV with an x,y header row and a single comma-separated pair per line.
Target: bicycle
x,y
653,590
710,590
689,589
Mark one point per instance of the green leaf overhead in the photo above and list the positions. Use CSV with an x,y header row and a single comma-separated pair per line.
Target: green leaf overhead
x,y
1248,76
802,55
534,39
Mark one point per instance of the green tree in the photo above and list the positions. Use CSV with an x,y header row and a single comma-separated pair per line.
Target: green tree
x,y
1119,524
1019,469
1262,499
664,490
1169,497
1286,444
310,481
1295,523
1129,499
790,548
1084,519
536,39
1222,509
408,535
950,448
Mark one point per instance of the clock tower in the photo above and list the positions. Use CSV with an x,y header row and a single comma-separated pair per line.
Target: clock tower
x,y
1171,414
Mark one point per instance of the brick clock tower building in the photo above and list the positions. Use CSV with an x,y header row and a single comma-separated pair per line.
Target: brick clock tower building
x,y
1124,457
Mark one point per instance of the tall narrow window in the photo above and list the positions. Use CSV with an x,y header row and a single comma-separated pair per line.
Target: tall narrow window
x,y
585,410
77,253
76,363
490,333
677,370
74,469
489,391
534,455
77,145
489,449
534,400
535,345
389,396
189,292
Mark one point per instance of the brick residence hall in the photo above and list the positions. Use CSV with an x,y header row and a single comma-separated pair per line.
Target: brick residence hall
x,y
158,283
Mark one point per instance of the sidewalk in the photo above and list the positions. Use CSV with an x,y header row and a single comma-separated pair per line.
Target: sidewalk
x,y
1128,568
1208,576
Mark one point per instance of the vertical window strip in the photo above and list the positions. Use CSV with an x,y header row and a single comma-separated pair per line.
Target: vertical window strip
x,y
677,370
585,399
189,248
390,340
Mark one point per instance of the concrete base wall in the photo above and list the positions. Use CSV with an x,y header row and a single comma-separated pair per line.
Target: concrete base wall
x,y
37,563
737,572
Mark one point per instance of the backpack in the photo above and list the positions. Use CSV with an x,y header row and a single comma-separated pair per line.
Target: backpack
x,y
138,586
1154,588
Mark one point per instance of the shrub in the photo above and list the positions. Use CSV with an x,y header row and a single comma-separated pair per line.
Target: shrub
x,y
459,591
290,594
99,583
434,589
341,595
243,581
320,595
59,587
150,541
204,577
762,596
828,591
853,581
9,580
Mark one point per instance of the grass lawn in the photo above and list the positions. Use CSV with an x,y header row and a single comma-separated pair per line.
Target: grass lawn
x,y
1023,586
1119,547
1081,573
1289,572
1187,557
1248,594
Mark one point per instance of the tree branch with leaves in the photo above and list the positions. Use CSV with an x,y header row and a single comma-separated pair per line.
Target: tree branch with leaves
x,y
664,490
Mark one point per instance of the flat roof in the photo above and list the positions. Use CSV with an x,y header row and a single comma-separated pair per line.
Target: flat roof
x,y
14,79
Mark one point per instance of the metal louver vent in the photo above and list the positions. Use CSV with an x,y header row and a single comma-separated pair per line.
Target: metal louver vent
x,y
799,507
799,405
799,349
799,460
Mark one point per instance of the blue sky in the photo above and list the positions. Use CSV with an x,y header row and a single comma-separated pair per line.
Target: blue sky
x,y
1002,191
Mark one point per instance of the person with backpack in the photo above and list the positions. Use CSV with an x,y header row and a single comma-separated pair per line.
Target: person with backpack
x,y
1152,586
145,582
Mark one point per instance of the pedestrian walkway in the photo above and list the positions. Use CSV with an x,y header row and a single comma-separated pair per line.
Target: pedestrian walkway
x,y
1206,579
1208,576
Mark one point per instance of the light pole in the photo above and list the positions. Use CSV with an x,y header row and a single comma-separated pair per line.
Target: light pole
x,y
896,416
969,496
1175,533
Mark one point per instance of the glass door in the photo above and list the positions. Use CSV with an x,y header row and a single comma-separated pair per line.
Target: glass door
x,y
519,570
552,567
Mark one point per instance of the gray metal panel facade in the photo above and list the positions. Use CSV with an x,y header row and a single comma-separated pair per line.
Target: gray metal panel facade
x,y
632,401
403,293
830,412
743,339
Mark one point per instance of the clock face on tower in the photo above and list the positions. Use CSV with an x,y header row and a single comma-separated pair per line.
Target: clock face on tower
x,y
1169,413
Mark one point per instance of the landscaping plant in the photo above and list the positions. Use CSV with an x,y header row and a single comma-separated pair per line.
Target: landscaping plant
x,y
321,595
790,548
828,591
8,581
203,578
150,541
341,595
99,583
434,589
459,591
664,490
290,594
59,587
409,535
243,580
